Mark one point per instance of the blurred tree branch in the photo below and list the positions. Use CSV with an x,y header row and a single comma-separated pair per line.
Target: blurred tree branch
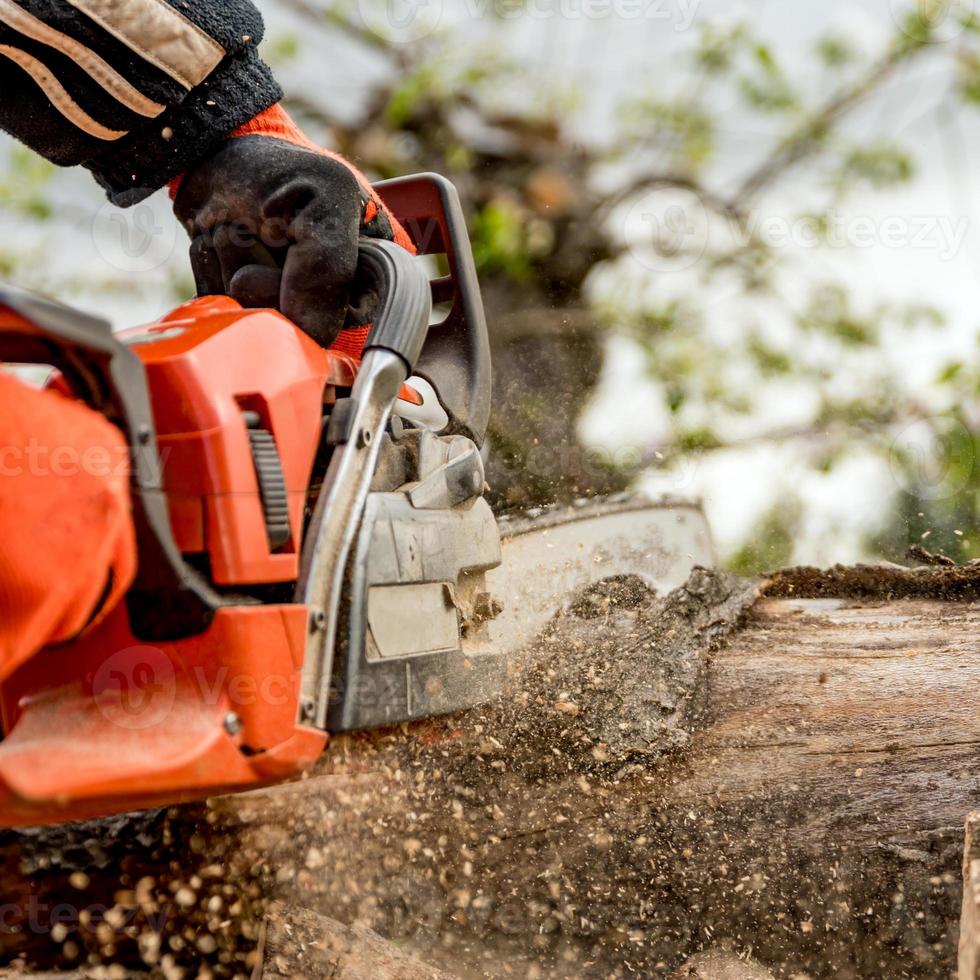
x,y
543,230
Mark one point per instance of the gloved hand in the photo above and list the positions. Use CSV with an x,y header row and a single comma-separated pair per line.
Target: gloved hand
x,y
274,222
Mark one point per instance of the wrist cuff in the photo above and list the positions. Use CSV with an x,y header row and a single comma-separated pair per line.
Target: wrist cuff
x,y
238,90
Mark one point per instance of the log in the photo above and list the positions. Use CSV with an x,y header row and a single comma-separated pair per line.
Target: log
x,y
803,798
783,778
969,962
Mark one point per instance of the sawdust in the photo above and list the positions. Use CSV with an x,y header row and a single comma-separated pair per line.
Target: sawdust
x,y
455,832
721,965
301,943
150,890
617,679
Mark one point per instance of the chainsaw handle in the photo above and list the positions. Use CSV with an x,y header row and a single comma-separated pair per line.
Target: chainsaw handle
x,y
401,321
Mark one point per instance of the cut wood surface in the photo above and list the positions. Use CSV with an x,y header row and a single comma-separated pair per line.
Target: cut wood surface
x,y
784,778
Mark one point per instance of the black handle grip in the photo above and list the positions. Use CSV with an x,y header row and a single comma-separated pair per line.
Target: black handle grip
x,y
401,321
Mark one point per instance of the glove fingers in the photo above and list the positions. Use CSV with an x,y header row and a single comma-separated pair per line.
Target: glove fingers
x,y
206,268
262,205
256,286
234,250
315,302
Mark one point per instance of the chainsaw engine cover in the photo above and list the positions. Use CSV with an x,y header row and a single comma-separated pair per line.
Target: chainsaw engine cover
x,y
238,400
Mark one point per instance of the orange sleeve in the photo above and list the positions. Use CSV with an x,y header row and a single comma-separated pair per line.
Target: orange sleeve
x,y
67,542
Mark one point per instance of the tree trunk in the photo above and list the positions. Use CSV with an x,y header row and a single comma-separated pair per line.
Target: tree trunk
x,y
782,777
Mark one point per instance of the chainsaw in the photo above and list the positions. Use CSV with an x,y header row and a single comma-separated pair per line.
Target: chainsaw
x,y
315,553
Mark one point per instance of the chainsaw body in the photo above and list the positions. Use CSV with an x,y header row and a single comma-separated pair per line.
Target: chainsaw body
x,y
311,557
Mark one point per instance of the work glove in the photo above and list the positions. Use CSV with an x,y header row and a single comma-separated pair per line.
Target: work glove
x,y
274,222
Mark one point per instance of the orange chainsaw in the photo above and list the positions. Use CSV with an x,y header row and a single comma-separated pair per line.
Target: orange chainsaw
x,y
315,553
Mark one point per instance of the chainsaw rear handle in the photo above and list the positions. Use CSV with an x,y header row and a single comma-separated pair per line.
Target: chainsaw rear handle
x,y
401,320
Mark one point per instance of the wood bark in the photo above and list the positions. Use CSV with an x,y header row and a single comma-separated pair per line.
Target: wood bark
x,y
784,778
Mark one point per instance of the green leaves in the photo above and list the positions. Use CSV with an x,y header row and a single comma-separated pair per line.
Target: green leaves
x,y
880,165
830,312
281,49
766,87
771,542
936,465
968,75
683,135
770,361
410,96
718,47
950,373
24,188
499,241
834,51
